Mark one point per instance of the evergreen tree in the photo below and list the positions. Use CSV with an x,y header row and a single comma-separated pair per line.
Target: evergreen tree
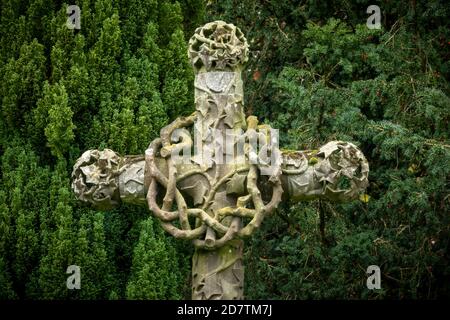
x,y
63,91
178,78
21,87
154,274
59,128
6,289
53,266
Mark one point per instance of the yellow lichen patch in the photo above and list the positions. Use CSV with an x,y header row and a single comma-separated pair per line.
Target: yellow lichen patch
x,y
252,122
364,198
413,168
313,160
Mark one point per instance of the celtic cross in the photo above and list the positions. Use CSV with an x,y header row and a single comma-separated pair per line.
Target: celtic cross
x,y
236,176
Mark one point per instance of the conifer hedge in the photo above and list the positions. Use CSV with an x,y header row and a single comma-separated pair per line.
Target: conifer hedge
x,y
316,72
114,83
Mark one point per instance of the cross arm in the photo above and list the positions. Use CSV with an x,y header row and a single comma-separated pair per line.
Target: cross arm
x,y
338,171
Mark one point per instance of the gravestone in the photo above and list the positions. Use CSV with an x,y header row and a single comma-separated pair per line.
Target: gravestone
x,y
214,176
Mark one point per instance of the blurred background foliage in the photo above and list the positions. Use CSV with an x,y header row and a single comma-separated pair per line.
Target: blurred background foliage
x,y
316,72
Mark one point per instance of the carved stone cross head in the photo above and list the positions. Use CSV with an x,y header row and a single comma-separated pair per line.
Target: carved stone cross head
x,y
212,177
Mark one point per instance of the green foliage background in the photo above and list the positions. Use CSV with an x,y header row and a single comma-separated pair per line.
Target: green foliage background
x,y
316,72
114,84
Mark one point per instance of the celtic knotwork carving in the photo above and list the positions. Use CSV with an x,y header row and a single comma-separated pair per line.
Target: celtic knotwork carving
x,y
218,45
210,201
210,222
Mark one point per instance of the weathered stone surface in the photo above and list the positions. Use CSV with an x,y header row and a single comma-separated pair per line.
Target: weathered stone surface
x,y
95,178
338,171
218,46
302,179
216,203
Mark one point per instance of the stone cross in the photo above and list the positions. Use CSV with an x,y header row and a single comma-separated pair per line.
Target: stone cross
x,y
236,177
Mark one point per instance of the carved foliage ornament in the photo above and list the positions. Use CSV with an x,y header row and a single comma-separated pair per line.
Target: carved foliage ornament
x,y
218,46
95,178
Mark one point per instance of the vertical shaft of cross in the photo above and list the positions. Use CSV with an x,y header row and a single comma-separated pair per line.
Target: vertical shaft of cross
x,y
218,273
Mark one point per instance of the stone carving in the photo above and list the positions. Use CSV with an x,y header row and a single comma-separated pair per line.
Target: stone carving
x,y
338,171
222,193
103,179
218,46
94,178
